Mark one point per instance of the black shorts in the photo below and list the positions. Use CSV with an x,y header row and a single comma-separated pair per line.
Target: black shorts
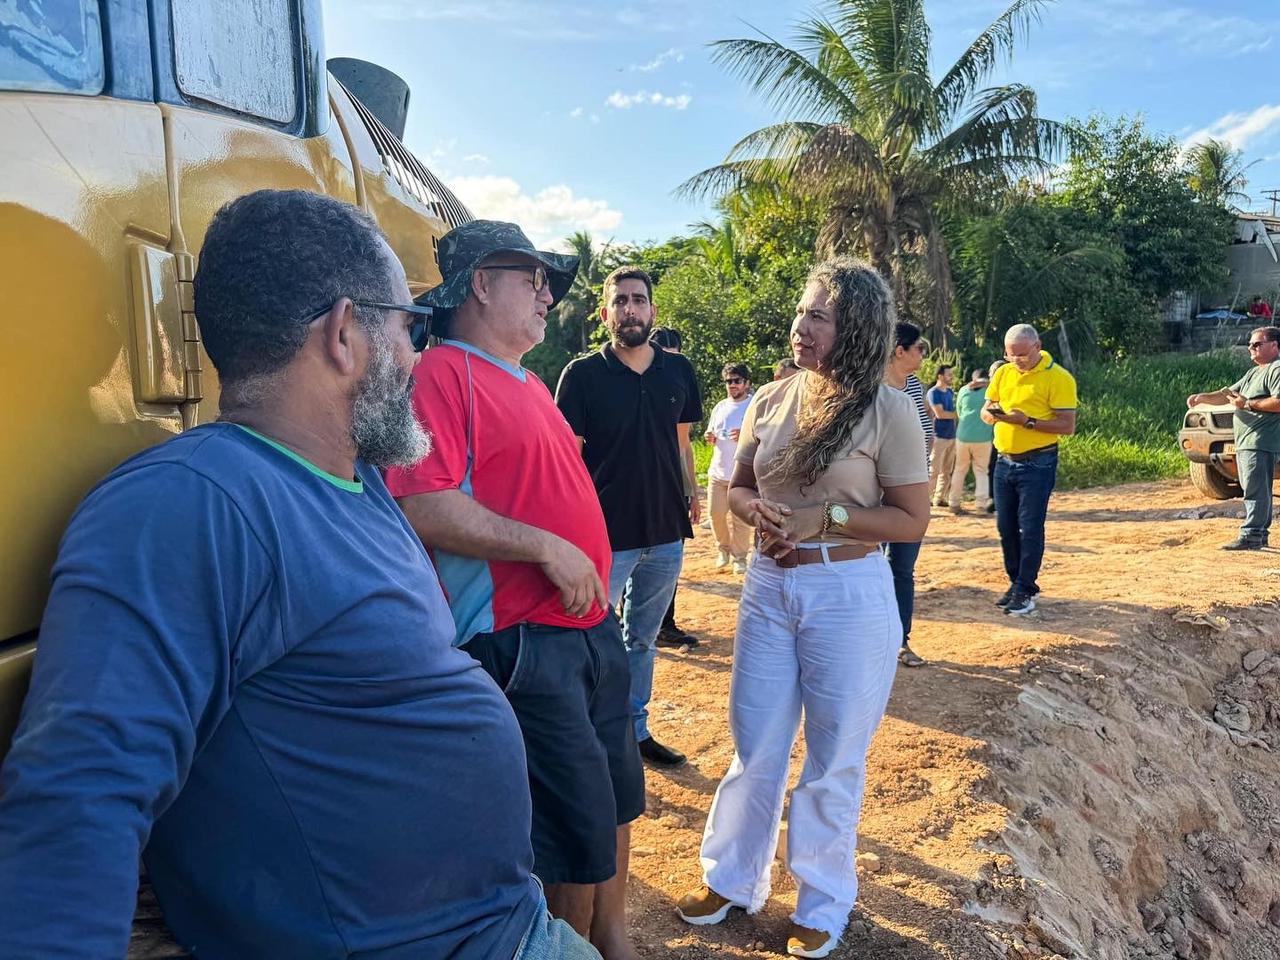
x,y
570,690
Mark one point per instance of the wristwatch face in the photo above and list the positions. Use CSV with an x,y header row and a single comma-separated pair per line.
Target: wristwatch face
x,y
839,514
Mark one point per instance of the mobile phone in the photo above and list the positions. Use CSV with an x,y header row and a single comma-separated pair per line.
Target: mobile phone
x,y
995,408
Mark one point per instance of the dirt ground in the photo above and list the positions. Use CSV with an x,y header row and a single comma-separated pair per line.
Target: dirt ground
x,y
1083,782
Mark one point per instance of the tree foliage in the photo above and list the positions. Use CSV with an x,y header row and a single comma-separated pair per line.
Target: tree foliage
x,y
883,149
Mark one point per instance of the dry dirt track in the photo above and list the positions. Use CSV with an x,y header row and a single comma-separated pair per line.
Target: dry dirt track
x,y
1033,788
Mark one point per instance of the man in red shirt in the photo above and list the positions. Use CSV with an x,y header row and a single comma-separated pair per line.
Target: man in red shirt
x,y
510,514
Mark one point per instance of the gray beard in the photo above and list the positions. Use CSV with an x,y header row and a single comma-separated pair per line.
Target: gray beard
x,y
383,427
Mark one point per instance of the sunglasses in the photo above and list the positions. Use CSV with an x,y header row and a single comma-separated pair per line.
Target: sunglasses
x,y
539,273
735,380
1257,344
419,330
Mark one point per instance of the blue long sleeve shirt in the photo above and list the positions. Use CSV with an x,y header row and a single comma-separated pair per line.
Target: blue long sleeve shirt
x,y
246,668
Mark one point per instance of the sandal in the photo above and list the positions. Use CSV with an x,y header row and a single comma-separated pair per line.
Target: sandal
x,y
909,658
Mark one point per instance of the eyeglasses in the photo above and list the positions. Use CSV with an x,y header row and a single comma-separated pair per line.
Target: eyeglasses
x,y
1257,344
419,330
735,380
539,273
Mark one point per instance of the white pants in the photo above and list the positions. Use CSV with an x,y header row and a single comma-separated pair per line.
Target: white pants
x,y
824,638
977,455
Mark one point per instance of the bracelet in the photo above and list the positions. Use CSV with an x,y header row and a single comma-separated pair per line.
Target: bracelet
x,y
826,519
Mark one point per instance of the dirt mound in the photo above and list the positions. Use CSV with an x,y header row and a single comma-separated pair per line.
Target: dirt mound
x,y
1140,825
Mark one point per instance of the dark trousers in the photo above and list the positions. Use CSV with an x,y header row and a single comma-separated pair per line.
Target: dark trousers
x,y
1022,489
902,563
669,618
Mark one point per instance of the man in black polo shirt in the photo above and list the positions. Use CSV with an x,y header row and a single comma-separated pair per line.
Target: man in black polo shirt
x,y
631,405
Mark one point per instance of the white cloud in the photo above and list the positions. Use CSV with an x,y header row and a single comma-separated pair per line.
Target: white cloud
x,y
576,113
478,159
1182,26
547,216
625,101
1240,129
667,56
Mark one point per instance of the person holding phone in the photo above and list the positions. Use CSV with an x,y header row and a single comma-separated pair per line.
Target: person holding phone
x,y
1256,398
1031,401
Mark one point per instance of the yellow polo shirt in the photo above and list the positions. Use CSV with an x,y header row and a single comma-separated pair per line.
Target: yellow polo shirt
x,y
1040,391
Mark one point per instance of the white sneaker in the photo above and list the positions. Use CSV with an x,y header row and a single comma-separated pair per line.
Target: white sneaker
x,y
739,567
722,559
807,942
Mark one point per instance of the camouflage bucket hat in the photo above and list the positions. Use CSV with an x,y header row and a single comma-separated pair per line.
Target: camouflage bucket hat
x,y
464,247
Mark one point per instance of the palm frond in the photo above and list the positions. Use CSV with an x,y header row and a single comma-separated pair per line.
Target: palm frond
x,y
987,49
788,81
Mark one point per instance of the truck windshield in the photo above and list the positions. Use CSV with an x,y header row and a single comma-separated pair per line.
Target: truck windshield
x,y
51,45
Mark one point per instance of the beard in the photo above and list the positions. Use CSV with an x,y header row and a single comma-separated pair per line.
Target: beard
x,y
633,335
383,427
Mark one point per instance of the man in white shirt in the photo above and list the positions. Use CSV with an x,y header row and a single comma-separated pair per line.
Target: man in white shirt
x,y
732,536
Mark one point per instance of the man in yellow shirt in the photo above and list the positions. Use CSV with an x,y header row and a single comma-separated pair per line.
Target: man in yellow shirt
x,y
1032,402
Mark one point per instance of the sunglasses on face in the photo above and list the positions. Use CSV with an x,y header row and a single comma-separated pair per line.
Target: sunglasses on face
x,y
735,380
419,330
539,273
1257,344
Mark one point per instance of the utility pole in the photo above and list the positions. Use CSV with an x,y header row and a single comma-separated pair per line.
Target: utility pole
x,y
1273,196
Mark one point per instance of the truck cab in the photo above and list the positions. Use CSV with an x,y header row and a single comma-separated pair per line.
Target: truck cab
x,y
127,124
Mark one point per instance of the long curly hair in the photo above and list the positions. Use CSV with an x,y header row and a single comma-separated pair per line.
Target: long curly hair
x,y
835,400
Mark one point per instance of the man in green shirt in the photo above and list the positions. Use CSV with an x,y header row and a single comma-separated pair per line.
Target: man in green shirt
x,y
1256,397
973,443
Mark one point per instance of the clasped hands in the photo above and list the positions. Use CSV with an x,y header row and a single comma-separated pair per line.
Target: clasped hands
x,y
781,527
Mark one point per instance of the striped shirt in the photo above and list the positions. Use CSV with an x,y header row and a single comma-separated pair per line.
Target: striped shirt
x,y
915,389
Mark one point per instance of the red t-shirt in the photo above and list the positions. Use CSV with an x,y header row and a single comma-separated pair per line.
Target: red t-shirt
x,y
524,464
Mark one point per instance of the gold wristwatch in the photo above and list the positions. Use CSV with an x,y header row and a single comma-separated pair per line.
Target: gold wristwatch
x,y
833,515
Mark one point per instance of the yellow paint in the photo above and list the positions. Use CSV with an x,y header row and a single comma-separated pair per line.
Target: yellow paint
x,y
103,207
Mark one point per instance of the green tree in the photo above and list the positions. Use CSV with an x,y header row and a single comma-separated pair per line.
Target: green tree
x,y
1216,174
883,149
1130,185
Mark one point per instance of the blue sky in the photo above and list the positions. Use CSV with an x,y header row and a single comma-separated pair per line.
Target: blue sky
x,y
587,114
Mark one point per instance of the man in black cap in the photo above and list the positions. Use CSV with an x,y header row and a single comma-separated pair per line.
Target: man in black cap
x,y
511,517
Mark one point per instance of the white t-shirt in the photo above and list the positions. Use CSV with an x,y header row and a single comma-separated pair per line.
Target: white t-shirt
x,y
725,416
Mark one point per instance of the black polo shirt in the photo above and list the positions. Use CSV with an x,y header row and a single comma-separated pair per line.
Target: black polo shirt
x,y
628,421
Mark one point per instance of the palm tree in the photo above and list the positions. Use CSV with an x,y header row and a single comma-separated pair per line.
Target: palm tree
x,y
1216,174
883,148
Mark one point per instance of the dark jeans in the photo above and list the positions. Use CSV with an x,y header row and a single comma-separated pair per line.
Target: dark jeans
x,y
902,563
1022,489
669,619
1257,467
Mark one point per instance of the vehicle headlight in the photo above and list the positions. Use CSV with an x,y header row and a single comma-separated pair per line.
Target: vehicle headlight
x,y
1196,420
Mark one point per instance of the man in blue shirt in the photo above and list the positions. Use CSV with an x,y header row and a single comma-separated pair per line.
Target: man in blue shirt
x,y
246,671
942,459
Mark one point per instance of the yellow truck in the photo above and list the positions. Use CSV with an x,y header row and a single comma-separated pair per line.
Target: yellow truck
x,y
124,125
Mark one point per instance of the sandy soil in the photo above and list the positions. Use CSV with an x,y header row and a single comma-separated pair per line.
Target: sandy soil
x,y
997,833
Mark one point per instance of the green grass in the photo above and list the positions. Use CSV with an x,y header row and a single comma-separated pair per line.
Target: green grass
x,y
1130,413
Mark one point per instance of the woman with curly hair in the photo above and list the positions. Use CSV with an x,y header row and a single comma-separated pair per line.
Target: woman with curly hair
x,y
830,464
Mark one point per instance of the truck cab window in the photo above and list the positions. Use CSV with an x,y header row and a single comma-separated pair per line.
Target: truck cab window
x,y
238,54
52,46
